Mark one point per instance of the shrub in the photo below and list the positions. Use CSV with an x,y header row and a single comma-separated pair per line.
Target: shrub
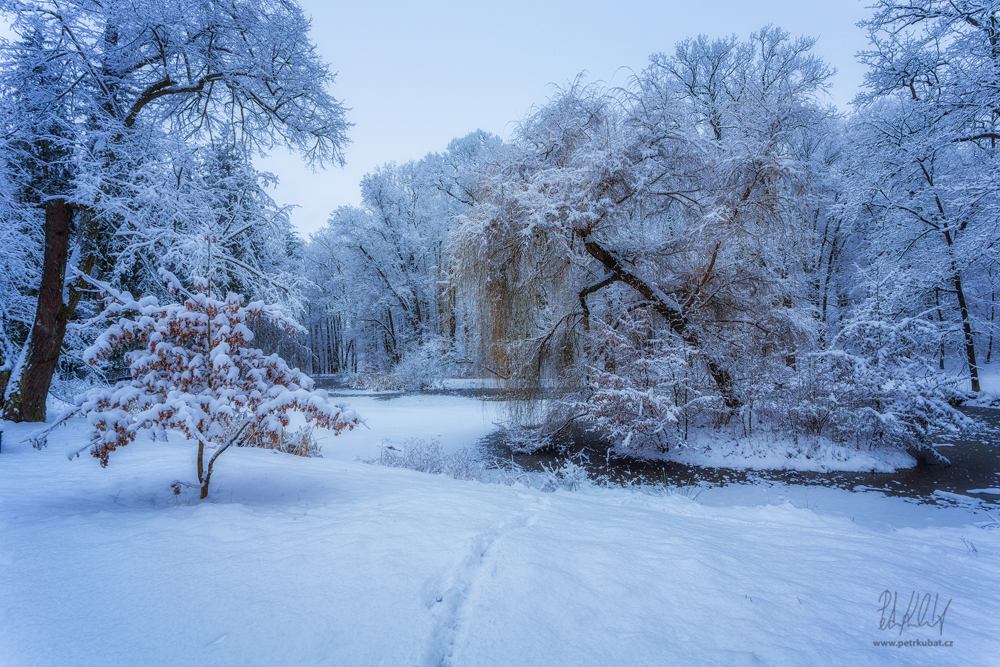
x,y
423,456
191,369
876,386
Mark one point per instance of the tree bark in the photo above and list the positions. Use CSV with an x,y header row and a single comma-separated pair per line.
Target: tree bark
x,y
970,343
52,314
27,404
993,312
201,468
4,378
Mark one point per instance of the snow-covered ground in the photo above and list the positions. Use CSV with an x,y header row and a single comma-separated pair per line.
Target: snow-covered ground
x,y
452,421
989,383
782,452
296,561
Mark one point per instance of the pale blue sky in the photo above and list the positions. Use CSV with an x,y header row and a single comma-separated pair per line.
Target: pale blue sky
x,y
417,74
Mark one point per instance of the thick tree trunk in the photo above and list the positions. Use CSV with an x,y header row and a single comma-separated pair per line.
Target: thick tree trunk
x,y
27,401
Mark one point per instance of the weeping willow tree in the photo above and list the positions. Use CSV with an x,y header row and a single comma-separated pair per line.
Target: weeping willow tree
x,y
684,196
517,278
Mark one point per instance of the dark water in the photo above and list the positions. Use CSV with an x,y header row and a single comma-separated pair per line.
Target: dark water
x,y
974,456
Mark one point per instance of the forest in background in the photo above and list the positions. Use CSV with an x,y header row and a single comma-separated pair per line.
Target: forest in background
x,y
709,247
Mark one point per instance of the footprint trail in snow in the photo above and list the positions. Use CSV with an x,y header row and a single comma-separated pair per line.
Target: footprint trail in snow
x,y
450,597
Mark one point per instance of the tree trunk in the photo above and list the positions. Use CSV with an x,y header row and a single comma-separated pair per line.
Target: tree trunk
x,y
675,318
937,303
336,344
993,312
27,403
970,343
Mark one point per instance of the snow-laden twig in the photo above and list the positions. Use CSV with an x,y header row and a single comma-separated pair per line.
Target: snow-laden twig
x,y
42,439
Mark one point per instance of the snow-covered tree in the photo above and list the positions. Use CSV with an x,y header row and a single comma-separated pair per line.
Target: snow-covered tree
x,y
688,195
874,386
929,122
130,93
395,246
215,195
639,391
192,369
928,219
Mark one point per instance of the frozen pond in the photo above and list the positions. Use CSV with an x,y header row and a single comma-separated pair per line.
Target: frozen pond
x,y
460,418
453,421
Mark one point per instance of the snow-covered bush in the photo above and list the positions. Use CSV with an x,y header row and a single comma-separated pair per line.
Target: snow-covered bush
x,y
876,386
374,380
570,475
641,388
191,369
424,456
526,440
420,368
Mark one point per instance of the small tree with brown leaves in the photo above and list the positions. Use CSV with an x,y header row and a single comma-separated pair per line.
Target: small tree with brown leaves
x,y
191,369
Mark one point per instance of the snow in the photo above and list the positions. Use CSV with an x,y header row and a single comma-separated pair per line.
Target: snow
x,y
955,497
453,421
989,383
395,417
782,451
303,561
